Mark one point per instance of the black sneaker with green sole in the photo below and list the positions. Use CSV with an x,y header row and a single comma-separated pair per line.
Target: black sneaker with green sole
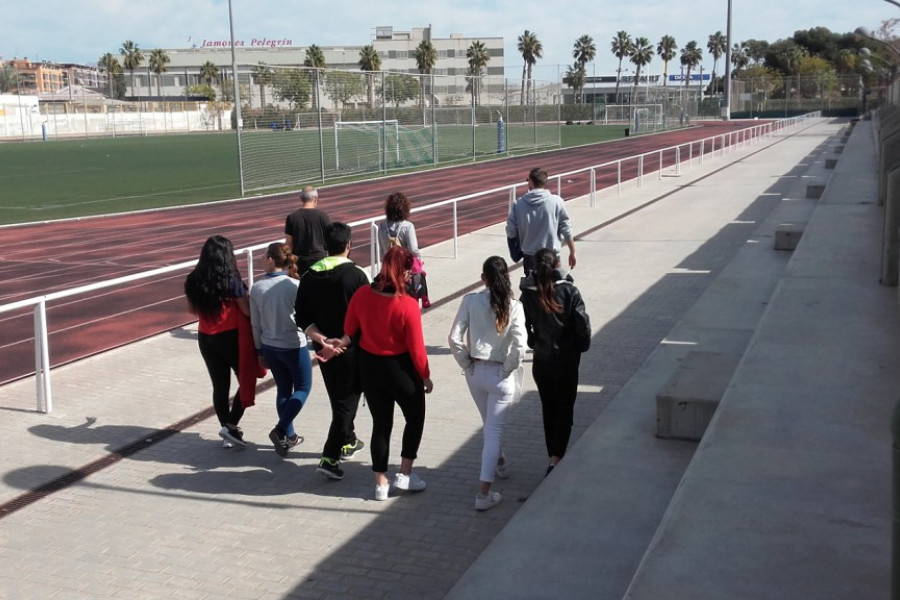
x,y
348,450
330,468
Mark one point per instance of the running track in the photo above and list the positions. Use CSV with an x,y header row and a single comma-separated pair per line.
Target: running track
x,y
42,258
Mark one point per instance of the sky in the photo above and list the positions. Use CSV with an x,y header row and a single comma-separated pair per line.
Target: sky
x,y
82,31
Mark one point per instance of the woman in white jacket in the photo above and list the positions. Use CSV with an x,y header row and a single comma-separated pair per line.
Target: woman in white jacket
x,y
488,340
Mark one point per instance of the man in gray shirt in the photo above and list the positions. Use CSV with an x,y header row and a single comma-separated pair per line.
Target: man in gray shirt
x,y
539,219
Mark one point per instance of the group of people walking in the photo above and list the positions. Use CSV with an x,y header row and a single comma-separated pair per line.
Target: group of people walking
x,y
368,338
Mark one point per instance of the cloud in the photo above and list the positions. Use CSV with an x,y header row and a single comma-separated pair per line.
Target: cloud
x,y
81,32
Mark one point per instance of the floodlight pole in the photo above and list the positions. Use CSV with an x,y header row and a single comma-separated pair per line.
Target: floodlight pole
x,y
727,87
237,98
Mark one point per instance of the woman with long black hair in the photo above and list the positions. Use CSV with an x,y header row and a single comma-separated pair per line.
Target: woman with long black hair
x,y
218,296
559,330
488,339
393,366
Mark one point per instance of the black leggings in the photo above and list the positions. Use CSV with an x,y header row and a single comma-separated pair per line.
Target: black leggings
x,y
557,384
220,353
341,377
386,380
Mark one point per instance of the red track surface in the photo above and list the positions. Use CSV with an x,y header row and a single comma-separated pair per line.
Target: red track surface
x,y
101,248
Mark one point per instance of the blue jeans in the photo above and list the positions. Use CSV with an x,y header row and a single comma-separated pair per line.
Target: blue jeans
x,y
292,371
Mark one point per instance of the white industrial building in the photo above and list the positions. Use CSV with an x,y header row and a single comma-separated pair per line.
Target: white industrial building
x,y
397,50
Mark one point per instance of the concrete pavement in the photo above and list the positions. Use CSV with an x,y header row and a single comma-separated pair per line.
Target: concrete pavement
x,y
184,518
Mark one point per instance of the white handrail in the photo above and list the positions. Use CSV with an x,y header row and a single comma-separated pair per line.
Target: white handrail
x,y
42,361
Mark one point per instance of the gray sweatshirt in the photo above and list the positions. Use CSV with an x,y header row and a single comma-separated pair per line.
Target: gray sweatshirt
x,y
539,219
272,312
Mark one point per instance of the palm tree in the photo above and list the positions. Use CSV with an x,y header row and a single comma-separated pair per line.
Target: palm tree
x,y
531,49
159,61
370,61
426,58
584,52
666,49
691,55
574,78
109,63
315,59
641,55
717,45
263,76
209,73
132,59
478,57
620,47
739,58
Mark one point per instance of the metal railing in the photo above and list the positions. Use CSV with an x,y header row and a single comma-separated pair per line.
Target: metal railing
x,y
720,143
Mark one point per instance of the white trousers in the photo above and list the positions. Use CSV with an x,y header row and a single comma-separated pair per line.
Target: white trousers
x,y
493,394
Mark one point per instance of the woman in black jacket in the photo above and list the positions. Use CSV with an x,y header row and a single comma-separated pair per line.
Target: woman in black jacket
x,y
559,330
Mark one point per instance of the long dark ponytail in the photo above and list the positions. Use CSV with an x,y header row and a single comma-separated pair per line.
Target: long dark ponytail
x,y
496,275
545,261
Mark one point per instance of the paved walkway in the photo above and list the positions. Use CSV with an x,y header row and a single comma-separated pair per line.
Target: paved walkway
x,y
185,518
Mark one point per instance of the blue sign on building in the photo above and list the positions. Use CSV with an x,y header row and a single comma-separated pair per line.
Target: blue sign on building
x,y
694,77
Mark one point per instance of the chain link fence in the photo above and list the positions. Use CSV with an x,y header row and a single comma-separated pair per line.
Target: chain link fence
x,y
777,97
22,118
302,124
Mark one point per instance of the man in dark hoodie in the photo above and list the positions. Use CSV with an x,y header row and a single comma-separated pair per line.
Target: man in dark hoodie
x,y
538,220
322,298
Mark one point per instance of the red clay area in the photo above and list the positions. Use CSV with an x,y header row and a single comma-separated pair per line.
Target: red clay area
x,y
101,248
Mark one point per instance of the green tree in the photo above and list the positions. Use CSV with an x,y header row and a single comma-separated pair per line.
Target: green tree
x,y
426,58
202,90
315,59
691,55
764,83
398,88
292,86
666,49
620,47
110,65
584,51
370,61
159,63
641,55
531,49
717,44
574,78
342,86
263,76
478,57
818,77
132,57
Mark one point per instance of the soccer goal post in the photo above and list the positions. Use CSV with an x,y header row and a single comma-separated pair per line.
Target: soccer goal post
x,y
625,113
366,142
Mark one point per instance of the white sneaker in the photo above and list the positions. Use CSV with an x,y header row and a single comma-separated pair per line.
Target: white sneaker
x,y
487,502
502,470
381,491
409,483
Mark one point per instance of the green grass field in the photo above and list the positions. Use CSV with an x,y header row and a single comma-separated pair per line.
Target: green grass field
x,y
74,178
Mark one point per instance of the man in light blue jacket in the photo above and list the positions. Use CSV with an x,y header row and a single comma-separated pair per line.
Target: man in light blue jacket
x,y
538,220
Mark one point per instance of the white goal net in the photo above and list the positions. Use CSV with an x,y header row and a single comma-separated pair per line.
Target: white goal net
x,y
366,145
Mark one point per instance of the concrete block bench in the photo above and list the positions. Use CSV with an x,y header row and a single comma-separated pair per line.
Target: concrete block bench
x,y
686,404
787,236
814,191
